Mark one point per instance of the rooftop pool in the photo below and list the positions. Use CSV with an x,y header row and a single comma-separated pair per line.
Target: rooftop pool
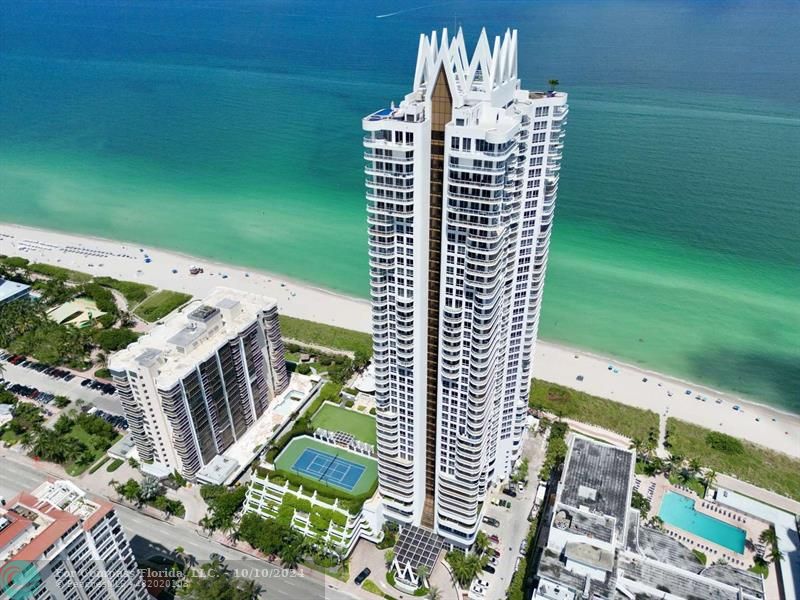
x,y
678,510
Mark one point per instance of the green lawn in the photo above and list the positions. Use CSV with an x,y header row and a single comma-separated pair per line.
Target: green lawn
x,y
160,304
755,464
565,402
336,418
9,437
134,292
79,433
327,336
286,459
54,271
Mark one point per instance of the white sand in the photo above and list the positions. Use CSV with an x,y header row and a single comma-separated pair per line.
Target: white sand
x,y
774,429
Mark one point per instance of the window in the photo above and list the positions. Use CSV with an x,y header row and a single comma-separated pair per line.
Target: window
x,y
454,143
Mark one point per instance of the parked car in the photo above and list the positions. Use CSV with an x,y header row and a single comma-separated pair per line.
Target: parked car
x,y
523,547
216,556
362,576
489,569
491,521
510,492
494,538
477,589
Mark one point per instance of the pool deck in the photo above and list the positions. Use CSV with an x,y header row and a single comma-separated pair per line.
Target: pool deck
x,y
752,527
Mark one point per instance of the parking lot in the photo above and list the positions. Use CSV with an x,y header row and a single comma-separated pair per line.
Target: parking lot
x,y
68,385
512,529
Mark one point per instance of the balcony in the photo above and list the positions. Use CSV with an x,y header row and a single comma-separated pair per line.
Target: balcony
x,y
399,159
374,142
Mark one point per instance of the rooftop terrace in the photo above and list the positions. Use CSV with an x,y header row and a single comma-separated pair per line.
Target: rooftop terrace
x,y
188,337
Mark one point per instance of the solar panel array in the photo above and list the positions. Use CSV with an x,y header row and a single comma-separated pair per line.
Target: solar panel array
x,y
417,546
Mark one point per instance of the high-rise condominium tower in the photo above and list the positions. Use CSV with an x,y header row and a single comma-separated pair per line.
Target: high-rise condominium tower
x,y
195,384
57,543
461,186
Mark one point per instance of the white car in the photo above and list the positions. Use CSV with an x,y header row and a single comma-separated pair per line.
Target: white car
x,y
476,589
483,583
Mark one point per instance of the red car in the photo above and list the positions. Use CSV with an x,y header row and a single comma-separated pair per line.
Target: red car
x,y
494,539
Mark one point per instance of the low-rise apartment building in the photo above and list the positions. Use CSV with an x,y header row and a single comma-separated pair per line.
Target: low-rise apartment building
x,y
57,543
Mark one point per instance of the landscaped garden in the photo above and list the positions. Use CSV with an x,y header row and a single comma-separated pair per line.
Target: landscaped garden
x,y
337,418
160,304
725,454
565,402
76,441
327,336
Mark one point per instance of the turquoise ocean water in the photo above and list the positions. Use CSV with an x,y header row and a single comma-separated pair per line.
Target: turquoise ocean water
x,y
231,130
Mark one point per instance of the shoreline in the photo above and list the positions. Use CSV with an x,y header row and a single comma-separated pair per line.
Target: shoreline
x,y
774,428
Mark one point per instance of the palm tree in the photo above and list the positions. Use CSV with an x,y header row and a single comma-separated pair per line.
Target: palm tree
x,y
481,542
710,479
685,476
775,555
434,593
694,465
553,83
290,555
251,589
388,556
768,537
636,445
207,524
422,573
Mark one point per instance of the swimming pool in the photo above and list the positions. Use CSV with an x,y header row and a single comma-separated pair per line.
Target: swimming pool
x,y
678,510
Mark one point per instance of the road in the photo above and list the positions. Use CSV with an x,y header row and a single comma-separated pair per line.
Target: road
x,y
514,524
150,537
70,389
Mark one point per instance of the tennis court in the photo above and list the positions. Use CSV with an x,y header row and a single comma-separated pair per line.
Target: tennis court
x,y
346,474
330,468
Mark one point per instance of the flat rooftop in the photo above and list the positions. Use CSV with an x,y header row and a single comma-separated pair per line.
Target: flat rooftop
x,y
188,337
660,576
785,527
12,289
597,477
591,525
662,548
32,522
589,555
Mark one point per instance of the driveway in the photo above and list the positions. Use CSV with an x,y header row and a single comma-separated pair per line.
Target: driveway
x,y
514,523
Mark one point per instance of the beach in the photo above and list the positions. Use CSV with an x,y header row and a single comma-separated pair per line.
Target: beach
x,y
601,376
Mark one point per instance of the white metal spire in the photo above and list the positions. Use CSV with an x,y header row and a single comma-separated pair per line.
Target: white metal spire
x,y
488,69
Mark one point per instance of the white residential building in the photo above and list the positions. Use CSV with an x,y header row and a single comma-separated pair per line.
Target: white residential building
x,y
461,181
598,547
56,543
194,385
